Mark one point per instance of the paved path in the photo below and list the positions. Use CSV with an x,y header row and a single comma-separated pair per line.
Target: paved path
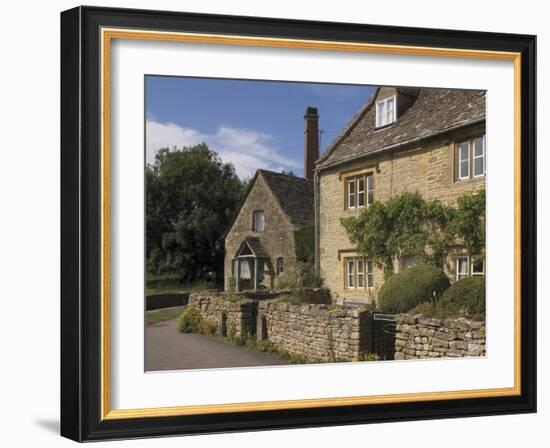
x,y
167,349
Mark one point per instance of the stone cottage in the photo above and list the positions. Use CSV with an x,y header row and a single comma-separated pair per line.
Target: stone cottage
x,y
260,247
426,140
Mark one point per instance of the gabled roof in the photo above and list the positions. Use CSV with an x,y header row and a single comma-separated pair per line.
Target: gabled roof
x,y
252,245
434,112
294,194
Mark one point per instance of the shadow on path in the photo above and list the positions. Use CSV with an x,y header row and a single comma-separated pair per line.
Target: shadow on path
x,y
167,349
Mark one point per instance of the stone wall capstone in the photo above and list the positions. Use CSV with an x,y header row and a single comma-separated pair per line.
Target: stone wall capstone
x,y
424,337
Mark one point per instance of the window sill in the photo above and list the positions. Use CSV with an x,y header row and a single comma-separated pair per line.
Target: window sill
x,y
477,179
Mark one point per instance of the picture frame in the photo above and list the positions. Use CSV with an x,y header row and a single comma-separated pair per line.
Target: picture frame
x,y
86,37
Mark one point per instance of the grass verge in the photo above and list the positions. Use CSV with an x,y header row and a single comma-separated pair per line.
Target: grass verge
x,y
156,316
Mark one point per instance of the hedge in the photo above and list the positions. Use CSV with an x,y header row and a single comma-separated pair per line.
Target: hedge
x,y
465,298
411,287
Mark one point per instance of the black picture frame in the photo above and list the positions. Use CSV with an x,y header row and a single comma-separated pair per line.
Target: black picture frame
x,y
81,226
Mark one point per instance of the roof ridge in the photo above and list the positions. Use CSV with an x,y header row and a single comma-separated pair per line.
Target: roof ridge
x,y
349,127
433,111
290,176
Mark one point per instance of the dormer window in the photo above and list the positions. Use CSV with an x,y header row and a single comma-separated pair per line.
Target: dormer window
x,y
386,111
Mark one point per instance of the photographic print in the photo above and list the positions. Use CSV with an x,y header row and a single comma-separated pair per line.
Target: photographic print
x,y
280,224
305,223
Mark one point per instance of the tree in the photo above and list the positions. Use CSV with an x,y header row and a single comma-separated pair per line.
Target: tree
x,y
408,225
191,197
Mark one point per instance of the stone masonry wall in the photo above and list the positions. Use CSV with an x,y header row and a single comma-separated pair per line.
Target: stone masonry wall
x,y
277,237
421,337
240,314
428,169
318,333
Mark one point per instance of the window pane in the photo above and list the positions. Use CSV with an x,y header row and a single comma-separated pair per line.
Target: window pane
x,y
380,114
389,111
258,221
370,276
360,269
370,190
351,193
351,265
479,167
463,169
478,147
477,265
463,152
461,267
463,161
360,191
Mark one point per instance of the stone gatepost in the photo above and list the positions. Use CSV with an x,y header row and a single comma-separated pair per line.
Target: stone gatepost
x,y
261,328
222,323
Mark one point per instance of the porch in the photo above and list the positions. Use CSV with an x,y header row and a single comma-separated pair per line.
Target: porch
x,y
252,268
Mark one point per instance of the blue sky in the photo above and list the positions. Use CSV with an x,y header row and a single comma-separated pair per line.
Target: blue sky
x,y
252,124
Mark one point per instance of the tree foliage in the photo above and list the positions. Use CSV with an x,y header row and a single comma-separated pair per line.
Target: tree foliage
x,y
408,225
304,239
191,197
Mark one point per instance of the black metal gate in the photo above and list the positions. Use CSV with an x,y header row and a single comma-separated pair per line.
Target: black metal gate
x,y
383,338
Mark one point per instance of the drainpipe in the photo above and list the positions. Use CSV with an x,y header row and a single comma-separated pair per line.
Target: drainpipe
x,y
316,192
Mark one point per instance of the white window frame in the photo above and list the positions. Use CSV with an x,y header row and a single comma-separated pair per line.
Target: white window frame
x,y
471,158
355,276
362,192
350,280
351,196
360,273
477,274
482,156
461,275
369,183
369,269
460,160
382,115
258,225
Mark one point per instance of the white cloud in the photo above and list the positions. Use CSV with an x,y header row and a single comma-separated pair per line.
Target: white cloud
x,y
248,150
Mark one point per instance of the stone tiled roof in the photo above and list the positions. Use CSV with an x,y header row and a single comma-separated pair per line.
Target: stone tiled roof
x,y
256,247
294,194
434,111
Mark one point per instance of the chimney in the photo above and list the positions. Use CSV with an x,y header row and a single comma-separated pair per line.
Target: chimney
x,y
311,141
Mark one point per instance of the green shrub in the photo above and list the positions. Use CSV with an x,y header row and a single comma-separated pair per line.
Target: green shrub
x,y
403,291
266,346
190,321
427,309
465,298
368,357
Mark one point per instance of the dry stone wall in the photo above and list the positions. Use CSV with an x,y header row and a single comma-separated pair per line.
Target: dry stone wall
x,y
423,337
239,315
317,333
